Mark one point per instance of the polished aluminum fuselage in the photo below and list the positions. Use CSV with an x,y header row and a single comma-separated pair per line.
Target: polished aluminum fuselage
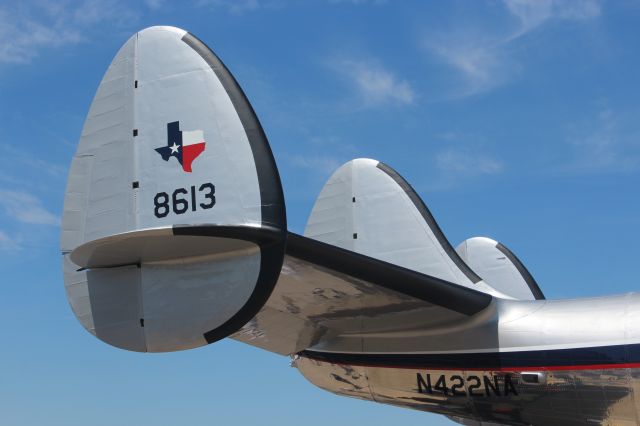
x,y
517,362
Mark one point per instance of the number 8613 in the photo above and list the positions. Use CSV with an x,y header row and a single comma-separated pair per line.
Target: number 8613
x,y
182,200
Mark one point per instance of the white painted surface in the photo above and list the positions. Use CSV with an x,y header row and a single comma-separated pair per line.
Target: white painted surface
x,y
384,221
156,79
494,267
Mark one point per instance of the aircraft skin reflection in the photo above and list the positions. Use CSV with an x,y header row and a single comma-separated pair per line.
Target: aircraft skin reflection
x,y
592,382
567,398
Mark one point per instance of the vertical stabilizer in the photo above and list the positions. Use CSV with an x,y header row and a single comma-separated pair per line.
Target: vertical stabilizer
x,y
500,268
367,207
174,226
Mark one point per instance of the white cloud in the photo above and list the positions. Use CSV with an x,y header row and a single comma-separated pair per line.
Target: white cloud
x,y
25,158
467,163
154,4
609,142
483,65
8,243
26,208
239,7
21,38
52,169
316,163
375,84
533,13
315,158
28,28
462,165
483,57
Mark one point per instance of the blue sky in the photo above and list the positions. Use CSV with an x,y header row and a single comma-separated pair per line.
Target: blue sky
x,y
515,120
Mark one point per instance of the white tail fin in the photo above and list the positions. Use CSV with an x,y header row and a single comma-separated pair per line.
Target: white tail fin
x,y
499,267
367,207
174,221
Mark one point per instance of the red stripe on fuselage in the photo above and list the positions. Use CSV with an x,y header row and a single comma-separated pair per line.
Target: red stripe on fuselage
x,y
190,153
501,369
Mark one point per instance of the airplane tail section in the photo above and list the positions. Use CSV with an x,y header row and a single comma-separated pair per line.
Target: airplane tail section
x,y
174,226
367,207
174,231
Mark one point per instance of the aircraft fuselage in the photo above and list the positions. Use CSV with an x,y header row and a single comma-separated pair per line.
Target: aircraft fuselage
x,y
592,380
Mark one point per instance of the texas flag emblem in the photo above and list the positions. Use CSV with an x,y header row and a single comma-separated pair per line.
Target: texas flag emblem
x,y
185,146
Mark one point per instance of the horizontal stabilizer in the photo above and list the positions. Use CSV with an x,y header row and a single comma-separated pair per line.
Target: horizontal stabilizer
x,y
177,244
326,294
